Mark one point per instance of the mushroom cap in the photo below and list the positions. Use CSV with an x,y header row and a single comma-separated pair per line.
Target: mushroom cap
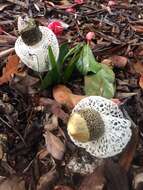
x,y
36,56
117,132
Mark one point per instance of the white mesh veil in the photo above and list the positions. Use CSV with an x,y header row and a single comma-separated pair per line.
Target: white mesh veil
x,y
117,129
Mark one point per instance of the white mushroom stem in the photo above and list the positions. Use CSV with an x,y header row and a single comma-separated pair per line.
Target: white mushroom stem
x,y
32,44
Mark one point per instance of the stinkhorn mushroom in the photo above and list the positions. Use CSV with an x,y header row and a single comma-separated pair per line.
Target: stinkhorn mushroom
x,y
98,125
33,42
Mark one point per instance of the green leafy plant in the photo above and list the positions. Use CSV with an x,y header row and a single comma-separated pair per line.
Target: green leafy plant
x,y
101,84
99,79
62,69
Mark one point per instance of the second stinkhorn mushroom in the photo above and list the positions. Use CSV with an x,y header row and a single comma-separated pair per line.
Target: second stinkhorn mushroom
x,y
33,42
98,125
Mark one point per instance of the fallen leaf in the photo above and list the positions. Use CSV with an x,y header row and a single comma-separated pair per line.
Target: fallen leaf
x,y
61,187
42,153
11,68
101,83
107,62
128,154
25,83
94,181
54,145
64,96
119,61
141,81
47,180
12,183
55,108
115,61
51,122
138,66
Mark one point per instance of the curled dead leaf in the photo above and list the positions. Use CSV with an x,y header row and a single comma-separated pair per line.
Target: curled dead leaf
x,y
64,96
54,145
138,66
119,61
11,68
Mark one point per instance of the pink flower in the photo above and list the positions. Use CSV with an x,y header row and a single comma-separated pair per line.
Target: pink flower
x,y
56,27
70,10
79,1
111,3
90,36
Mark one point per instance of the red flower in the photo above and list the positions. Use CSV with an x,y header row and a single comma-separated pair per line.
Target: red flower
x,y
79,1
56,27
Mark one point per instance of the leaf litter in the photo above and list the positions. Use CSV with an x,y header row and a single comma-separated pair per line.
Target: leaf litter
x,y
24,108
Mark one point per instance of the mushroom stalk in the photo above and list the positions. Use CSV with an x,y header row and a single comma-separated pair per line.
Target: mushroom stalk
x,y
32,44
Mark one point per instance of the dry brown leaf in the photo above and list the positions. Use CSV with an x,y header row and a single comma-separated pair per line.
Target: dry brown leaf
x,y
128,154
61,187
25,83
54,107
64,96
12,183
138,66
94,181
10,69
119,61
42,153
54,145
51,123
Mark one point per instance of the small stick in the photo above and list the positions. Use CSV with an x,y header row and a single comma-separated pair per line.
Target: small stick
x,y
17,2
11,127
6,52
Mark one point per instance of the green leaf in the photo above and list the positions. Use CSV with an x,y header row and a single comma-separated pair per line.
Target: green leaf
x,y
48,79
52,60
73,51
101,84
70,67
86,62
63,52
53,75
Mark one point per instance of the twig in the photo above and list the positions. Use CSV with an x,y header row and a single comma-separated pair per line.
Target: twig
x,y
17,2
6,52
11,127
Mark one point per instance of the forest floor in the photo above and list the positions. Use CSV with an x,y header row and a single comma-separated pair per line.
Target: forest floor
x,y
26,112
